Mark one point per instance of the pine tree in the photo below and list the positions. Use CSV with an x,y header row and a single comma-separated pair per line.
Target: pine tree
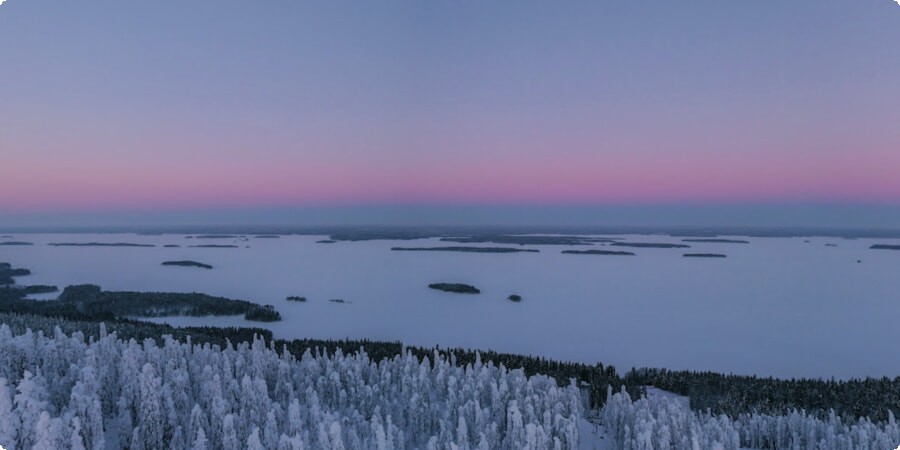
x,y
75,440
8,420
229,434
151,418
200,442
197,422
254,442
270,431
290,443
29,403
48,433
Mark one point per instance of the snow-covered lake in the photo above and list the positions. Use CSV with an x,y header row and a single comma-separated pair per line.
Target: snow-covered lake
x,y
775,306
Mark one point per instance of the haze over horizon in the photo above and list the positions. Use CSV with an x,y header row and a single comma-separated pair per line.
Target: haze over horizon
x,y
698,114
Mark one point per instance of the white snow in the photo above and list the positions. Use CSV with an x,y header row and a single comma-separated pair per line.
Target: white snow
x,y
655,393
658,421
63,392
593,436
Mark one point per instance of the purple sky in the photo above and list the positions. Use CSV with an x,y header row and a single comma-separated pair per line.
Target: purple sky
x,y
164,106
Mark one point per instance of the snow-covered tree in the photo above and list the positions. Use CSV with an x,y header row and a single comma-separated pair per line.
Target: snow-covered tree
x,y
200,442
29,404
254,442
8,420
660,423
150,418
48,433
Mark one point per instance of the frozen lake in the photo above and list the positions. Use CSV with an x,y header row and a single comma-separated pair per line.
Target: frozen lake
x,y
775,306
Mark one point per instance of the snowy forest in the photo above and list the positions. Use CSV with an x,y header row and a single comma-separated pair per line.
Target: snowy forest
x,y
660,423
63,390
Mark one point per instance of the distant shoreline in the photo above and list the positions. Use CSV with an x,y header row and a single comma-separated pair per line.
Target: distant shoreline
x,y
421,232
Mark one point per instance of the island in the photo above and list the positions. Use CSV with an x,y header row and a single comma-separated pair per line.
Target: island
x,y
98,244
648,245
213,246
171,246
514,298
456,288
465,249
187,263
267,236
885,247
15,243
704,255
527,239
39,289
91,301
294,298
338,300
717,240
326,241
597,252
379,233
7,273
266,313
218,236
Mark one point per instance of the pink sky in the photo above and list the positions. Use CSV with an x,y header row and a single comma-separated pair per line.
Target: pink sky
x,y
316,104
543,180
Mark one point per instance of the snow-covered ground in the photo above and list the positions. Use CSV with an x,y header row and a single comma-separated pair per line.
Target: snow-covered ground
x,y
593,435
775,306
655,393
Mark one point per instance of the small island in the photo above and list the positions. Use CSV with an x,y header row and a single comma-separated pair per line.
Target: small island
x,y
7,273
648,245
526,239
15,243
39,289
266,313
98,244
885,247
213,246
171,246
267,236
717,240
456,288
294,298
326,241
338,300
514,298
597,252
217,236
187,263
465,249
704,255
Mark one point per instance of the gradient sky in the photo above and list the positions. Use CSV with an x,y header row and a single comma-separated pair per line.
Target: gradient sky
x,y
116,109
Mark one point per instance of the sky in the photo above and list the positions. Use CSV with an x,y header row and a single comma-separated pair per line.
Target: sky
x,y
599,112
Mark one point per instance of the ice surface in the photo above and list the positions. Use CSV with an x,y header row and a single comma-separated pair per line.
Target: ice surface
x,y
776,306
